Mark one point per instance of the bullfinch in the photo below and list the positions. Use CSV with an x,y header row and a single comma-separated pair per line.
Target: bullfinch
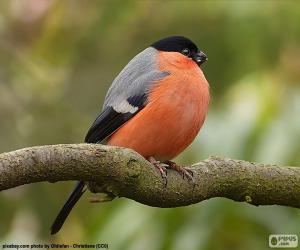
x,y
155,106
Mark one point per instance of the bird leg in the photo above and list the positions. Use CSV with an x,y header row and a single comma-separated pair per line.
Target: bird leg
x,y
160,168
186,173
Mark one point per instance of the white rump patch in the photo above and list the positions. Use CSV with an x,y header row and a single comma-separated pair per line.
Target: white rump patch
x,y
125,107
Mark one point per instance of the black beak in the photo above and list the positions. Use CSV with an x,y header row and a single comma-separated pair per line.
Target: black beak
x,y
200,58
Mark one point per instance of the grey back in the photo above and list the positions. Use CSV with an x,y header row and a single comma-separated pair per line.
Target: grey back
x,y
134,80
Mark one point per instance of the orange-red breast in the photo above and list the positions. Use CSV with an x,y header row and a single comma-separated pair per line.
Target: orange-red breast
x,y
156,106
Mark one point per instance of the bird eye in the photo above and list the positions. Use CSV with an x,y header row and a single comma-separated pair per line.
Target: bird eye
x,y
186,52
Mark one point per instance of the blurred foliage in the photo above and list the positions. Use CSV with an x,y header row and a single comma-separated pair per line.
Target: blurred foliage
x,y
58,59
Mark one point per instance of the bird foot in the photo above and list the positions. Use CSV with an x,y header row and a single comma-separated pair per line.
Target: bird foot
x,y
185,173
160,168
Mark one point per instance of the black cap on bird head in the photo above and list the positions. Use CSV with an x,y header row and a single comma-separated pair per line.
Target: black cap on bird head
x,y
182,45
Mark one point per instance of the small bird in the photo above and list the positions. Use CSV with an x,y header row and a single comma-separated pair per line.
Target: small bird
x,y
155,106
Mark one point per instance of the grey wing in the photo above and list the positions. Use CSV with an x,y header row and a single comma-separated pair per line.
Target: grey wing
x,y
127,95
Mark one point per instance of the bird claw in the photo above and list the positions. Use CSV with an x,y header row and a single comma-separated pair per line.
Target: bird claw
x,y
164,173
163,170
184,172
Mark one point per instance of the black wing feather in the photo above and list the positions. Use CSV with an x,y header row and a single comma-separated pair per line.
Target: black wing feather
x,y
105,124
110,120
138,100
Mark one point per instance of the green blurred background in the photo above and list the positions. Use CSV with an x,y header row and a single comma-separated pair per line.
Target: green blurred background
x,y
57,60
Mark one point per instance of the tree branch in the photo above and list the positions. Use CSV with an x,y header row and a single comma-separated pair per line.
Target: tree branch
x,y
122,172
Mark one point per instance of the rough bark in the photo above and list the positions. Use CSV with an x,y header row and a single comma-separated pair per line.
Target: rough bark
x,y
123,173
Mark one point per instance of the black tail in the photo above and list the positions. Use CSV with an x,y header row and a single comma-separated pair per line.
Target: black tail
x,y
66,209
